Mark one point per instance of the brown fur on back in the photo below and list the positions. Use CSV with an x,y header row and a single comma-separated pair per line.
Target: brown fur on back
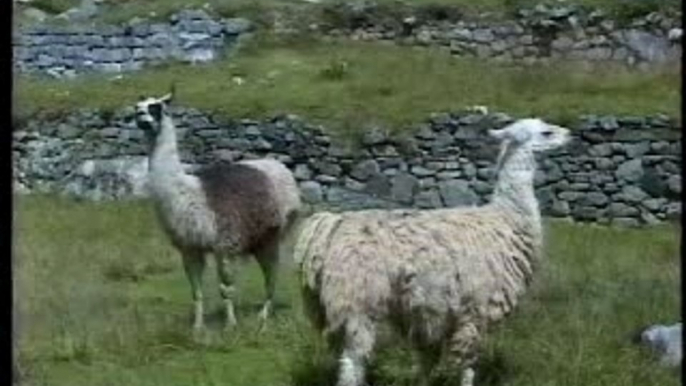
x,y
242,199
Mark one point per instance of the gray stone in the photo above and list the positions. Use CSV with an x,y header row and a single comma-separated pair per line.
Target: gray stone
x,y
420,171
595,199
365,169
598,53
378,185
580,186
483,36
673,210
485,173
665,342
237,26
630,170
428,182
633,194
325,179
674,184
608,123
654,204
482,188
649,218
428,199
600,150
562,43
469,170
637,150
570,196
354,184
625,222
311,192
374,137
448,175
604,164
403,187
457,193
649,47
659,147
302,172
114,178
586,213
461,34
675,34
545,196
328,168
442,141
559,208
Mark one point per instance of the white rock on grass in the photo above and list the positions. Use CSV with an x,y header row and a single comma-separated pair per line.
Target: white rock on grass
x,y
665,341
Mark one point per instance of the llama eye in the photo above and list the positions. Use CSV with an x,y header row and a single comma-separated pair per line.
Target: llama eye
x,y
547,133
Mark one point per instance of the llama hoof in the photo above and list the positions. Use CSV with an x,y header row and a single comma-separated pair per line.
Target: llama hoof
x,y
262,326
229,327
201,336
265,311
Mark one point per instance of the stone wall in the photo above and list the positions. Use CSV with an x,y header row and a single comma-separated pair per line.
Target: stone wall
x,y
67,50
624,170
562,31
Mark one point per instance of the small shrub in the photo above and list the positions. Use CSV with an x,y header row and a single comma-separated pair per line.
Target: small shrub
x,y
121,271
440,12
69,348
54,7
627,10
336,70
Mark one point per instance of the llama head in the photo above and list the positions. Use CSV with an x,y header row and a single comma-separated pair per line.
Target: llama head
x,y
150,111
532,134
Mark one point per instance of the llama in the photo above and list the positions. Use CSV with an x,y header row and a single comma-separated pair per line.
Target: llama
x,y
227,209
438,276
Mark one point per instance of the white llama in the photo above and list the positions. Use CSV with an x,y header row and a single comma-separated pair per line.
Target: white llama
x,y
439,276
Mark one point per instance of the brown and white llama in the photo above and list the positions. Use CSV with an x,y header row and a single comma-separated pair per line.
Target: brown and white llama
x,y
226,209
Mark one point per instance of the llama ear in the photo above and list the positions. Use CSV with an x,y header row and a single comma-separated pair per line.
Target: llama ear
x,y
497,133
167,99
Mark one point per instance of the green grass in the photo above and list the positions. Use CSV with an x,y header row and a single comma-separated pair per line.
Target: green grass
x,y
346,85
82,325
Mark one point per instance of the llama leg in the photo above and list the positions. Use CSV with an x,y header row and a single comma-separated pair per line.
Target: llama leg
x,y
194,265
467,377
462,350
227,289
268,259
360,335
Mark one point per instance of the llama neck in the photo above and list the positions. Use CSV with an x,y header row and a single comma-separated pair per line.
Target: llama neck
x,y
165,165
164,156
514,190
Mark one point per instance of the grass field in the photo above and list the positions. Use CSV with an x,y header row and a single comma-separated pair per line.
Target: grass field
x,y
103,300
347,85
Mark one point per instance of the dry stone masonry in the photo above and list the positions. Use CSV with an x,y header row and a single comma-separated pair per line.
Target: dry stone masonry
x,y
190,36
561,31
620,170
